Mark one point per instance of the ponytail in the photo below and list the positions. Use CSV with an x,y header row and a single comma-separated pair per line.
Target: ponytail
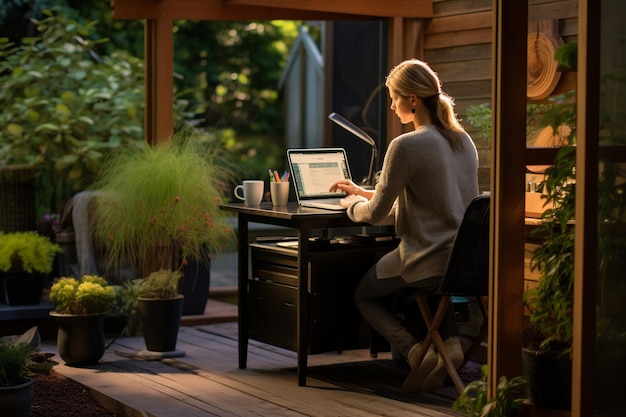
x,y
416,77
441,108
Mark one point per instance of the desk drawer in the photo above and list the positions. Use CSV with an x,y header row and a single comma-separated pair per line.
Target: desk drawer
x,y
271,254
275,273
272,314
269,264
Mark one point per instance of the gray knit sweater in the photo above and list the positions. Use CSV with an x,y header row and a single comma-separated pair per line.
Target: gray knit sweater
x,y
424,190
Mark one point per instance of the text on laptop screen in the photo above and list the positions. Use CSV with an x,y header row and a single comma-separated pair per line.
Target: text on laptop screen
x,y
315,172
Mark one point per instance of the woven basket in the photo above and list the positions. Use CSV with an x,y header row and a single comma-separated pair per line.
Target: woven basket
x,y
17,198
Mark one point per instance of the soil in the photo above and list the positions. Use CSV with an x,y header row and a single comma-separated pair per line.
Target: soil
x,y
57,396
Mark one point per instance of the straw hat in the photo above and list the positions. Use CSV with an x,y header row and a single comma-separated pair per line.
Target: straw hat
x,y
542,75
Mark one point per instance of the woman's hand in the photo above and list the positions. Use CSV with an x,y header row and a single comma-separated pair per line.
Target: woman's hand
x,y
346,186
351,188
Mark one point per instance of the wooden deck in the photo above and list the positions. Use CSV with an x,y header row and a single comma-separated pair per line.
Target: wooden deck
x,y
206,381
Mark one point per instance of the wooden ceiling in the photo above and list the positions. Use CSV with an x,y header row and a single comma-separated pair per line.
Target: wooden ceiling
x,y
271,9
404,28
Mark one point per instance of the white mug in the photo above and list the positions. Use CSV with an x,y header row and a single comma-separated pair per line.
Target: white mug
x,y
252,192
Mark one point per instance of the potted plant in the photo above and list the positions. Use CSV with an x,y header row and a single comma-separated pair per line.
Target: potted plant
x,y
548,336
80,309
25,258
16,387
159,307
20,359
158,207
507,402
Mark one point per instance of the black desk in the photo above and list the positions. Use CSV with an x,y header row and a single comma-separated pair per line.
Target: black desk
x,y
304,220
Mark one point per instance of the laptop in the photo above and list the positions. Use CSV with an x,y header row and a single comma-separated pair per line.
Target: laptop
x,y
313,171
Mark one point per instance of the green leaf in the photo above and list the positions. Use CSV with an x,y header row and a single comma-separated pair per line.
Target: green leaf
x,y
15,129
47,126
86,119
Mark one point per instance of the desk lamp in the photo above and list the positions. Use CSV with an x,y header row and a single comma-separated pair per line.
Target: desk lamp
x,y
359,133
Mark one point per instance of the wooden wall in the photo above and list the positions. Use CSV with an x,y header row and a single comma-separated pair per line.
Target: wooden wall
x,y
458,45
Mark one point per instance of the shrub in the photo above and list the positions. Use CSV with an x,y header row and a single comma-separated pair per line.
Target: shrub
x,y
27,251
89,295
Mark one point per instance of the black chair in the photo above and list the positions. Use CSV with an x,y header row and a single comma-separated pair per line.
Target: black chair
x,y
466,275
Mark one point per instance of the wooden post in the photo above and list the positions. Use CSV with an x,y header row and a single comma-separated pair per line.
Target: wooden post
x,y
159,80
507,190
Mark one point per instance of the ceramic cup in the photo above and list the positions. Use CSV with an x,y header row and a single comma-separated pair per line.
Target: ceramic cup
x,y
279,191
252,192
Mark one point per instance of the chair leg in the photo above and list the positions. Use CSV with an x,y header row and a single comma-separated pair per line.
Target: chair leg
x,y
482,333
433,337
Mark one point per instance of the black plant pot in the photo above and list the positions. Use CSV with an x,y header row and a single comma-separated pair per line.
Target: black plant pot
x,y
160,321
22,288
80,339
195,285
16,400
548,378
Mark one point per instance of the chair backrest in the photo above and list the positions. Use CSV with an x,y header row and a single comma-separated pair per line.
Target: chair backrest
x,y
467,272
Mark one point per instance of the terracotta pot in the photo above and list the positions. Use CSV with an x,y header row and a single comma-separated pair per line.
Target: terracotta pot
x,y
16,400
80,339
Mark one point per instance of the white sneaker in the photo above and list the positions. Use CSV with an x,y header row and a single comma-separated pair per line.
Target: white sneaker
x,y
419,372
437,376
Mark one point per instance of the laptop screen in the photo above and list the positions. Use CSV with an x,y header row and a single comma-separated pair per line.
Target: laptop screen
x,y
314,170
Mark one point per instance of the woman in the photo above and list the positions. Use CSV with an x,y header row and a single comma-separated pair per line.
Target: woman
x,y
428,179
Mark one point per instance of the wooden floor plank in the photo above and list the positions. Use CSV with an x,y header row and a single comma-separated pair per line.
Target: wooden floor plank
x,y
207,381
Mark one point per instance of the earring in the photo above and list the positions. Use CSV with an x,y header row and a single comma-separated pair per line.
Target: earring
x,y
413,110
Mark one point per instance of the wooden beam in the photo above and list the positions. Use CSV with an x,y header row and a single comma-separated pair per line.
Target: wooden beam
x,y
378,8
507,191
586,231
159,80
270,9
405,41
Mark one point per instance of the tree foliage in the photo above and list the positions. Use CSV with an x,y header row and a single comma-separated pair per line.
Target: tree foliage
x,y
226,79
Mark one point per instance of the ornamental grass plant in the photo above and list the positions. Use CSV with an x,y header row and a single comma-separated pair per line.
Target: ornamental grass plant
x,y
158,206
14,361
160,284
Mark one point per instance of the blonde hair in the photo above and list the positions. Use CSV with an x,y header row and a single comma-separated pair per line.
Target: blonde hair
x,y
416,77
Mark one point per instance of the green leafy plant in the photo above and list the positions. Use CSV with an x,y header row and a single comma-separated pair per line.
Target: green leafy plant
x,y
27,251
551,301
14,363
159,284
479,116
507,403
90,295
21,358
64,106
561,111
163,284
159,206
538,115
567,56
